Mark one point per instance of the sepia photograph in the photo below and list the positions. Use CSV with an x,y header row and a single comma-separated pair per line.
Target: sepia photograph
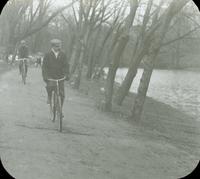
x,y
99,89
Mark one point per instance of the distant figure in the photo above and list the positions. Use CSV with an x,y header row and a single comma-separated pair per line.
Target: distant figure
x,y
39,59
23,53
55,66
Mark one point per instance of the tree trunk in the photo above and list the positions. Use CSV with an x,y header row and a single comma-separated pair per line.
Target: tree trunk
x,y
91,60
126,84
79,68
76,58
143,87
112,71
132,71
38,36
90,68
71,48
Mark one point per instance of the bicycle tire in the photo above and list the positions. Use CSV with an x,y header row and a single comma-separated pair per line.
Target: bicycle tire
x,y
24,79
59,113
53,106
23,74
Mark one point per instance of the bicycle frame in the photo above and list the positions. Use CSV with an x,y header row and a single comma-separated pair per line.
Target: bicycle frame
x,y
57,102
57,83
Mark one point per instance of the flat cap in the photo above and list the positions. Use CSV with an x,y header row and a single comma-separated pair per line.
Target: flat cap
x,y
23,41
55,41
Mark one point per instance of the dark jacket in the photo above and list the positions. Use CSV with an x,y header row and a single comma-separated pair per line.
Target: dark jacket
x,y
53,67
23,52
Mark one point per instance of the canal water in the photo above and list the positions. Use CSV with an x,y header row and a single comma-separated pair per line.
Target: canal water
x,y
178,88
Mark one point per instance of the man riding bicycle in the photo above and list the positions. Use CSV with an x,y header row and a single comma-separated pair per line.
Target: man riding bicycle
x,y
23,53
55,66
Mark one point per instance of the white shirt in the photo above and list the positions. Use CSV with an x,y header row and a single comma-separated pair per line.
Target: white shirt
x,y
55,53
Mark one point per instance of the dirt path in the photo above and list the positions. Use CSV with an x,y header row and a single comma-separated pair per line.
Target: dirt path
x,y
92,145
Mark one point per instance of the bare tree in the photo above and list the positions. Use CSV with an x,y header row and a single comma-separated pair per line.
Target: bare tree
x,y
117,53
174,8
140,49
23,20
92,16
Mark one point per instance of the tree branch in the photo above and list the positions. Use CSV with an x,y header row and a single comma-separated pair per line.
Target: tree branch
x,y
32,31
179,38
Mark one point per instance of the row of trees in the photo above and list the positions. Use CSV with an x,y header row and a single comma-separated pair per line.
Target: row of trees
x,y
22,19
100,33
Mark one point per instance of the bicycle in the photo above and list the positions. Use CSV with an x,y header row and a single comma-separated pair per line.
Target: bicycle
x,y
55,103
23,70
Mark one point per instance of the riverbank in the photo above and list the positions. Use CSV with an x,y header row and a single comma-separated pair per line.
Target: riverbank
x,y
197,69
159,121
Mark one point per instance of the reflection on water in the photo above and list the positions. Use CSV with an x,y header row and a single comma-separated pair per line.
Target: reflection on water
x,y
180,89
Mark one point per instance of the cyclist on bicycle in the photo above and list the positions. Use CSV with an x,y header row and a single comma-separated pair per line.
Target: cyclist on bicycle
x,y
55,66
23,53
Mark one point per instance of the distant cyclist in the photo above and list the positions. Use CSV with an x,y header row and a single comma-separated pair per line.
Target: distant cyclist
x,y
38,59
23,53
55,66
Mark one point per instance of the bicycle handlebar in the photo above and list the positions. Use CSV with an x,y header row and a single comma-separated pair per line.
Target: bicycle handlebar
x,y
22,59
61,79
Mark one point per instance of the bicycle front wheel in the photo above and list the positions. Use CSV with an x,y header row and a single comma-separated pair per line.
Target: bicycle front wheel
x,y
23,79
53,106
23,75
59,113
